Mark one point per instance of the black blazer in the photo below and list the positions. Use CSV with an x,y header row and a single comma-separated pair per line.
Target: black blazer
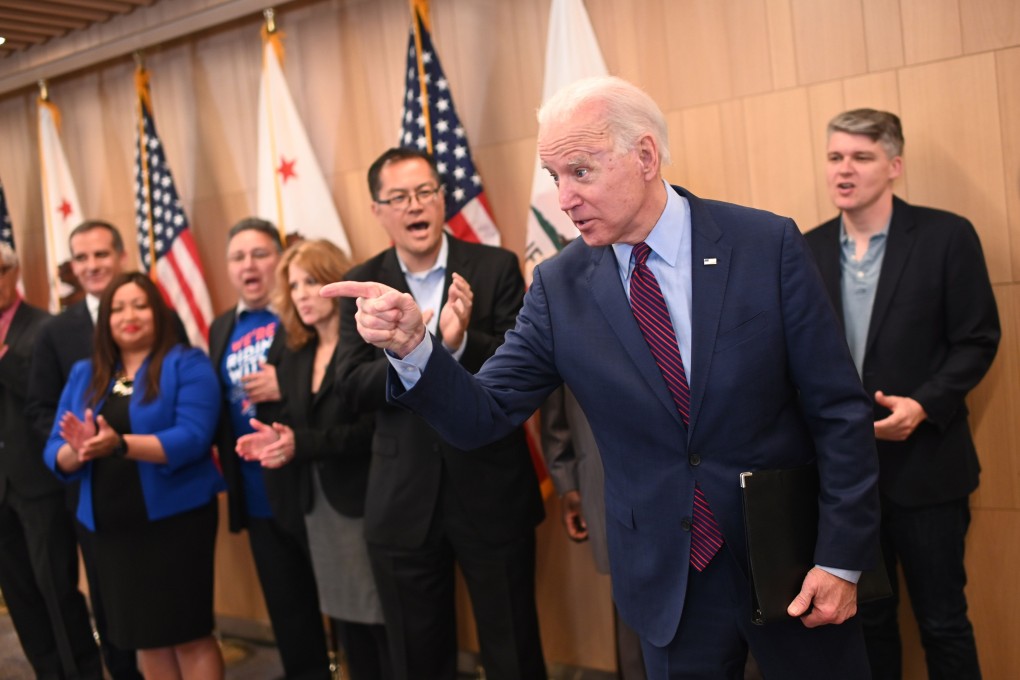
x,y
226,439
336,443
493,488
21,464
62,340
933,333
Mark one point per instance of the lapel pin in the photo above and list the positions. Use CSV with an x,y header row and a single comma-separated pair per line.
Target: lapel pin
x,y
709,261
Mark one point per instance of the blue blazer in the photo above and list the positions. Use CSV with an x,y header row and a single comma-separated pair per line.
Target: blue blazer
x,y
773,386
183,417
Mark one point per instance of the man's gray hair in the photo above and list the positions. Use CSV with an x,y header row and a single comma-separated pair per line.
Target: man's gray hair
x,y
8,256
628,111
878,126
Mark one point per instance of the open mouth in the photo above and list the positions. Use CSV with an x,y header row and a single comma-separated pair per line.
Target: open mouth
x,y
418,226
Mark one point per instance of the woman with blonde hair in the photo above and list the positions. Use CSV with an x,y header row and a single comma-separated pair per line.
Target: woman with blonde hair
x,y
317,456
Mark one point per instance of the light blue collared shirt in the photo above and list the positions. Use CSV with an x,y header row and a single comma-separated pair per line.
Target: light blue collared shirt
x,y
427,290
858,286
670,262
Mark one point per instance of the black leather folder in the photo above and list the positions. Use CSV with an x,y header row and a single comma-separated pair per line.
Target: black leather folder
x,y
781,524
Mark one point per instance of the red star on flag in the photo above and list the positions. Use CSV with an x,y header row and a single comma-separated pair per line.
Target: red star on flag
x,y
286,169
65,208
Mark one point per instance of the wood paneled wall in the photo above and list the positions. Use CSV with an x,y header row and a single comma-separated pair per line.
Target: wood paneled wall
x,y
747,85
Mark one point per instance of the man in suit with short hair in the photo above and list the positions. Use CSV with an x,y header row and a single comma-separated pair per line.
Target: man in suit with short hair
x,y
430,506
912,290
38,550
698,339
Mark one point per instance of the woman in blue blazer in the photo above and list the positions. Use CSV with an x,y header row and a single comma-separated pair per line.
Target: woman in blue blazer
x,y
136,428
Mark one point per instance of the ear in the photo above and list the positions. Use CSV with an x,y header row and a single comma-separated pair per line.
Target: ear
x,y
648,157
895,168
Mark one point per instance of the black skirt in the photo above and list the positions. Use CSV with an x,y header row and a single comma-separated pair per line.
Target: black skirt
x,y
157,582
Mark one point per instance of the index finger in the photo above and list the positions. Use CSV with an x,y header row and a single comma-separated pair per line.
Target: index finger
x,y
365,289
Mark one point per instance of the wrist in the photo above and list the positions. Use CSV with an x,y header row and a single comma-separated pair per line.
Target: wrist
x,y
120,448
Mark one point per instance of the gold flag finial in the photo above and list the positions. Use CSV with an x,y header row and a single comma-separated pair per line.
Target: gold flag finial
x,y
270,16
44,91
139,59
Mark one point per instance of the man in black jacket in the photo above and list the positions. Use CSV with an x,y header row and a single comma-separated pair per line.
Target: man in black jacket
x,y
38,550
911,287
430,505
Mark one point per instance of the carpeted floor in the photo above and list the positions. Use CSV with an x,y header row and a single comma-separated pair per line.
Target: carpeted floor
x,y
245,660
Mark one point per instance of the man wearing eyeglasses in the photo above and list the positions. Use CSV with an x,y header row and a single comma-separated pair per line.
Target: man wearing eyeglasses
x,y
430,505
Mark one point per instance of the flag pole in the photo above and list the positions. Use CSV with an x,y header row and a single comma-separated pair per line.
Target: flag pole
x,y
54,276
417,19
272,38
142,90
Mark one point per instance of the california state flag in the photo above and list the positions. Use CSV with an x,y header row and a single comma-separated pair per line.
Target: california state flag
x,y
292,193
572,53
61,210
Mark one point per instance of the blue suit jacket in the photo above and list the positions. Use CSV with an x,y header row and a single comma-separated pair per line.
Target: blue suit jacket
x,y
773,386
183,417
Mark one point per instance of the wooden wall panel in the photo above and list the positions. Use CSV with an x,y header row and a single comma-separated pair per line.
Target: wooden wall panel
x,y
829,37
619,28
781,43
676,172
954,148
989,24
883,33
1008,70
717,50
716,168
778,128
993,551
992,405
931,30
824,101
747,87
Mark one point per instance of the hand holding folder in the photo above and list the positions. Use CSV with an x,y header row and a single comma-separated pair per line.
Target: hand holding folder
x,y
781,524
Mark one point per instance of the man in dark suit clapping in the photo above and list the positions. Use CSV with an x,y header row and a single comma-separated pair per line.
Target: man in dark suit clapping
x,y
38,551
428,504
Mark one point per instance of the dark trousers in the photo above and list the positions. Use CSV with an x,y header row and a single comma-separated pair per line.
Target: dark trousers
x,y
715,633
121,663
628,651
39,580
928,543
416,589
366,649
284,566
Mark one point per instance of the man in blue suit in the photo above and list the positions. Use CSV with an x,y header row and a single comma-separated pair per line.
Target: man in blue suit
x,y
766,381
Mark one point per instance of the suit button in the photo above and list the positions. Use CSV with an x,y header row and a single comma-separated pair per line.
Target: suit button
x,y
685,524
694,459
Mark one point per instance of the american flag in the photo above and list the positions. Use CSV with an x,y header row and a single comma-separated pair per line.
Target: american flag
x,y
163,232
430,123
6,230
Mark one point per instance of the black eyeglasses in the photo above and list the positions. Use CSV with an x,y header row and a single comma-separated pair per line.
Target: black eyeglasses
x,y
403,201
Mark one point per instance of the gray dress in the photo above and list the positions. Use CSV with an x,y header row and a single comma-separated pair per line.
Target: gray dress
x,y
340,559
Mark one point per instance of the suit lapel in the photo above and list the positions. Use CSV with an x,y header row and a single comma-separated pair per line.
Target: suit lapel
x,y
708,286
390,272
899,245
829,266
608,292
218,337
17,327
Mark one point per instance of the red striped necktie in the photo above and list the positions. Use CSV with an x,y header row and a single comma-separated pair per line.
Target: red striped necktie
x,y
652,317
